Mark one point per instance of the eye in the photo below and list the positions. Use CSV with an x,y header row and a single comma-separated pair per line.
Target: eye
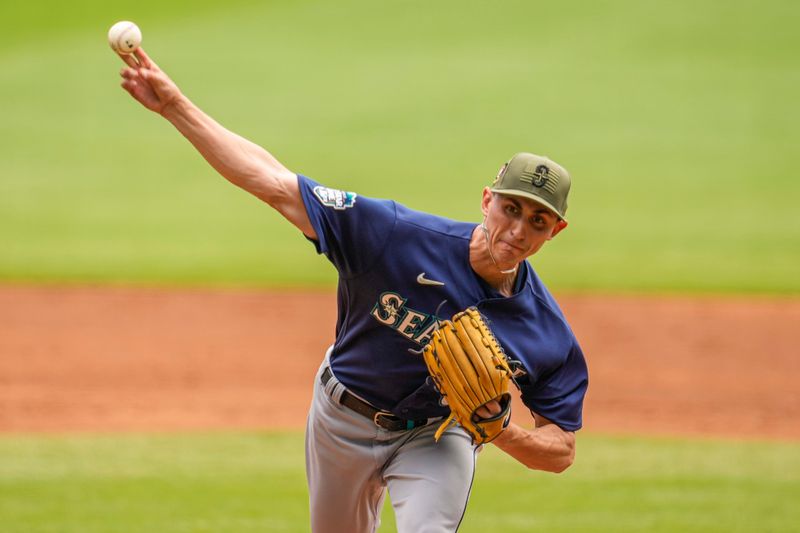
x,y
511,209
538,222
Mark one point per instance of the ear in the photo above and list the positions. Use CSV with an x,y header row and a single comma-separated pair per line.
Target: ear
x,y
560,225
486,199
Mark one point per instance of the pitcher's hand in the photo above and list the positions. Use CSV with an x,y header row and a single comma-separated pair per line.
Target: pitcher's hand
x,y
147,83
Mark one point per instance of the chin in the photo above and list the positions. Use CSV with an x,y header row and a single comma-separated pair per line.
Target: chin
x,y
506,261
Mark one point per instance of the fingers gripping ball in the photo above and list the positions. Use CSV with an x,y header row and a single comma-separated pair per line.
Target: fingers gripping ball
x,y
470,369
124,37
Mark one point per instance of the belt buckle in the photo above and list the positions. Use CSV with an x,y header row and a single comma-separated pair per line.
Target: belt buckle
x,y
377,417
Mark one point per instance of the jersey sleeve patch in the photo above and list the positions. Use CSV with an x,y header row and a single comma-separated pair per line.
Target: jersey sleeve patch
x,y
335,198
351,235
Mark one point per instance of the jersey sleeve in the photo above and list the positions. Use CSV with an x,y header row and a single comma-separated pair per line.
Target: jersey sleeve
x,y
352,230
559,395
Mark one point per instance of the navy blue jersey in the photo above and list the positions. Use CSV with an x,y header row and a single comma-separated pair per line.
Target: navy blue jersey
x,y
396,266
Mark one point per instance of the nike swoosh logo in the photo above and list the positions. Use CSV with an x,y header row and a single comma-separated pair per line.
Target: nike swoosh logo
x,y
422,280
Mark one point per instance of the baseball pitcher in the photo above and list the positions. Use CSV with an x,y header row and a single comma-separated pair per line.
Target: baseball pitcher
x,y
439,323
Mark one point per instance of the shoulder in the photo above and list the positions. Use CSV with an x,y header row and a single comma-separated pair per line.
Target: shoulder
x,y
337,199
434,225
342,201
542,297
531,325
533,300
341,207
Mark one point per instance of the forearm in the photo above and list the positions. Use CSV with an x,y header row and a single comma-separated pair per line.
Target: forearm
x,y
243,163
238,160
547,447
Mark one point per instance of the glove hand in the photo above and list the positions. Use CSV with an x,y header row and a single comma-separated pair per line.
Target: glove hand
x,y
472,374
488,410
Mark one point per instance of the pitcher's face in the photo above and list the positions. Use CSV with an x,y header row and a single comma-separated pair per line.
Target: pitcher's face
x,y
517,226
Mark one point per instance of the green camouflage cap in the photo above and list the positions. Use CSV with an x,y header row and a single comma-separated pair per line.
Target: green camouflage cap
x,y
535,177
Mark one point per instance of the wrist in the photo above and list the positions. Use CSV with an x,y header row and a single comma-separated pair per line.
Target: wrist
x,y
505,436
175,108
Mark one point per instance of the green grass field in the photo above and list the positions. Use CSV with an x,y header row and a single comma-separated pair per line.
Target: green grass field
x,y
678,121
241,482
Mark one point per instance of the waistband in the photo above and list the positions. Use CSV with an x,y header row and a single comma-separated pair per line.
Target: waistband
x,y
379,417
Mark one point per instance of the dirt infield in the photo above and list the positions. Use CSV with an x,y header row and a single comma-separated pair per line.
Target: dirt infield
x,y
125,359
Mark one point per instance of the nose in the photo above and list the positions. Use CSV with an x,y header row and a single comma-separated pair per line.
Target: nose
x,y
517,230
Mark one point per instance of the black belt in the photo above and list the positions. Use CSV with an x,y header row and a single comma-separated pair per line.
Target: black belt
x,y
381,418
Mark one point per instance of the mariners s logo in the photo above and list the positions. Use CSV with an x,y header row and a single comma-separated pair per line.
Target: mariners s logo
x,y
541,175
390,310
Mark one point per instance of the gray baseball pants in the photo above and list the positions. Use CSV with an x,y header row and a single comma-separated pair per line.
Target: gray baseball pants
x,y
350,462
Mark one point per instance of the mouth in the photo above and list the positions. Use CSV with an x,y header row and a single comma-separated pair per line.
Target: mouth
x,y
512,247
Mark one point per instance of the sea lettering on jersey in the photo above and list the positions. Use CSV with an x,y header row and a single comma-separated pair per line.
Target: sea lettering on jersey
x,y
391,310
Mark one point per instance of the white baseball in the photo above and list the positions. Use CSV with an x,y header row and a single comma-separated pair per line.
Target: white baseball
x,y
124,37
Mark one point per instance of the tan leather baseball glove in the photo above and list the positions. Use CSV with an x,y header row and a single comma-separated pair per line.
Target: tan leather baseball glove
x,y
470,369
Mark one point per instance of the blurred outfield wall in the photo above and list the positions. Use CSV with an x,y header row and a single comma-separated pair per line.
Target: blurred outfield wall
x,y
678,121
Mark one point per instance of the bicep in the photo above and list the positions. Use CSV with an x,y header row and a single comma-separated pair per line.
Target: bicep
x,y
567,438
541,421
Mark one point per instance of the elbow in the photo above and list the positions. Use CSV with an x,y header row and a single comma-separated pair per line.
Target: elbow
x,y
561,460
566,460
556,465
562,464
267,185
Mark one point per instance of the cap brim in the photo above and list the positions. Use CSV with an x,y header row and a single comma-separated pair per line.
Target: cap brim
x,y
529,196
